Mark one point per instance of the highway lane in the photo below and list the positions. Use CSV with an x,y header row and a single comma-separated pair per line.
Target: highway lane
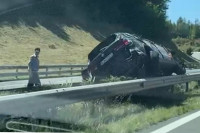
x,y
192,71
190,127
8,85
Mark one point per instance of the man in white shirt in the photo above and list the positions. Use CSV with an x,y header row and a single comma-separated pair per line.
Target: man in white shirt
x,y
33,67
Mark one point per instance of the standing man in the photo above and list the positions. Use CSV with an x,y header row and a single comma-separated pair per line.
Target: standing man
x,y
33,67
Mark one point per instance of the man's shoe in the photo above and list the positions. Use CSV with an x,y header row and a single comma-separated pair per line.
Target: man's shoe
x,y
29,86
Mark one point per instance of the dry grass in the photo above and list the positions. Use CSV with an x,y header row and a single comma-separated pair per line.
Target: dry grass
x,y
101,117
183,44
18,43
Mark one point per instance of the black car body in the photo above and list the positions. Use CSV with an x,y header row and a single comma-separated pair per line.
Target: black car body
x,y
124,54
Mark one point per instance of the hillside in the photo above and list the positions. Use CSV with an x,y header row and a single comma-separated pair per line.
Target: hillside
x,y
64,33
184,44
63,39
18,43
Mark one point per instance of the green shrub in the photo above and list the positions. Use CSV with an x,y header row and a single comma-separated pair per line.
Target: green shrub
x,y
189,51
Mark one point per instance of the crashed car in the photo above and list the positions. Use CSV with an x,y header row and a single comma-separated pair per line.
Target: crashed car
x,y
124,54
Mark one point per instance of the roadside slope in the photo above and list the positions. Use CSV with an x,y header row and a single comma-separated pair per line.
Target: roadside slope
x,y
64,38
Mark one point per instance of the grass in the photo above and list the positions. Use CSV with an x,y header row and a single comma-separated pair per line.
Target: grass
x,y
184,43
102,116
124,114
63,39
17,44
149,117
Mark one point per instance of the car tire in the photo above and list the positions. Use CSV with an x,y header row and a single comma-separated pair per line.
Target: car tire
x,y
85,75
167,73
180,69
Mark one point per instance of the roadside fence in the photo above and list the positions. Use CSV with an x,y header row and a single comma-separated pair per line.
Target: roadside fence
x,y
46,71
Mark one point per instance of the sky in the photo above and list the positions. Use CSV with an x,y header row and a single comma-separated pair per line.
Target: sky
x,y
188,9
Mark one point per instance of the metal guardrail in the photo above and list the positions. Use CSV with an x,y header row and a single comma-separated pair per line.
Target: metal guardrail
x,y
32,102
21,72
17,72
194,65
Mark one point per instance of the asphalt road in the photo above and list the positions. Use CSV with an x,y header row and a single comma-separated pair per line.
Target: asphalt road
x,y
187,123
190,127
50,81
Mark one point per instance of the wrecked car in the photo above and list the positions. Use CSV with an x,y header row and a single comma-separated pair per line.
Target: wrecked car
x,y
124,54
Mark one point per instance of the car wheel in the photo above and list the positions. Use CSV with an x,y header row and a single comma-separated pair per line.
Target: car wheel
x,y
85,74
180,69
167,73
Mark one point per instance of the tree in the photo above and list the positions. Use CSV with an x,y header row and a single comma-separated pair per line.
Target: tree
x,y
144,17
183,28
172,27
189,51
197,28
192,31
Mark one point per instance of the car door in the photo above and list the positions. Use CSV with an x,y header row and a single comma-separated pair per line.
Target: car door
x,y
165,58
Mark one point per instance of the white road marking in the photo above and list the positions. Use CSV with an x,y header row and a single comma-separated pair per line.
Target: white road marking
x,y
177,123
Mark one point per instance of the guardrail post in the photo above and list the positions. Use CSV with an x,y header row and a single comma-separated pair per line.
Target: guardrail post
x,y
59,71
198,82
187,87
16,73
46,71
71,71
